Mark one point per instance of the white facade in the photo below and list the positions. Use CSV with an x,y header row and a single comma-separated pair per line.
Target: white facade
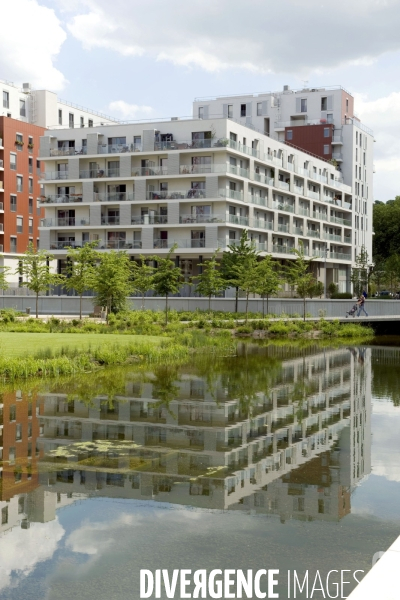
x,y
197,183
45,109
274,113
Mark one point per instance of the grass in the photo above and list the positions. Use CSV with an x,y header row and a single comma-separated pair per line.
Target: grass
x,y
31,344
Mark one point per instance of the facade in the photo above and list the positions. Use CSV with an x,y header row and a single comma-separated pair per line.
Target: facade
x,y
197,184
320,121
24,116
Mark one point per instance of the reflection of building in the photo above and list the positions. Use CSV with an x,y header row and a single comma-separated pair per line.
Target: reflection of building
x,y
298,454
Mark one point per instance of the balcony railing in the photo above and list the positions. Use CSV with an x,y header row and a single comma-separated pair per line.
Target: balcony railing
x,y
211,218
120,244
158,243
233,194
259,200
298,189
175,195
245,149
1,206
340,255
118,148
1,164
312,233
285,207
314,195
282,249
150,220
332,237
320,215
67,151
337,139
57,245
114,197
282,185
64,222
61,198
237,220
304,212
347,239
298,231
54,175
98,173
341,221
112,220
263,224
284,228
149,171
238,171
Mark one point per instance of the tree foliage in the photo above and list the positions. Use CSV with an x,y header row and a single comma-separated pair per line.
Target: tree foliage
x,y
210,282
35,270
143,277
386,219
234,261
299,275
80,269
360,273
112,280
167,277
268,278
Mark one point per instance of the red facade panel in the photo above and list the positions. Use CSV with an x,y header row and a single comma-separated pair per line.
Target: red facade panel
x,y
313,138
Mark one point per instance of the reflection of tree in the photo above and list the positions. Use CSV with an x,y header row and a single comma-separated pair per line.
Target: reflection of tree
x,y
164,380
386,382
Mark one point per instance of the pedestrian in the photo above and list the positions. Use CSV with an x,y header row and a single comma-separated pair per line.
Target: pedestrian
x,y
361,306
365,294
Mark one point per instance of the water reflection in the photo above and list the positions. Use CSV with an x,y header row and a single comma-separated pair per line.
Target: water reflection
x,y
277,430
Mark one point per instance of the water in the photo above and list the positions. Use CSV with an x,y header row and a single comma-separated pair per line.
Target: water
x,y
283,457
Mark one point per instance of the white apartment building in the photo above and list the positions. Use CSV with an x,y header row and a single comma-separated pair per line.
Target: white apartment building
x,y
196,183
45,109
319,120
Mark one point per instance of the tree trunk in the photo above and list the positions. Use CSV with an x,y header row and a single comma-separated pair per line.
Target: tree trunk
x,y
247,305
236,300
263,303
166,309
80,307
37,305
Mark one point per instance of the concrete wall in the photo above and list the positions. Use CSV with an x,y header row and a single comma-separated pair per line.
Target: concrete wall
x,y
69,305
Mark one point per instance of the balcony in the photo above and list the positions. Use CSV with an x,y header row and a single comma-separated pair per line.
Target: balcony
x,y
282,249
258,200
237,220
245,149
263,224
54,175
233,194
347,239
304,212
121,244
175,195
290,166
186,145
263,178
314,195
98,173
114,197
152,219
340,256
285,207
56,245
337,156
298,122
332,237
320,254
67,151
261,246
341,221
186,243
299,189
313,233
282,185
64,222
118,148
211,218
112,220
284,228
320,215
298,231
149,171
337,139
237,171
61,198
1,207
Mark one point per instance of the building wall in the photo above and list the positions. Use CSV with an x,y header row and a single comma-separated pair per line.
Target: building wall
x,y
312,139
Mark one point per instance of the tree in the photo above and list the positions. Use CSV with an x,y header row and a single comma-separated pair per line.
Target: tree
x,y
233,261
143,277
35,270
80,269
299,275
3,277
386,219
268,279
112,280
392,272
167,277
245,273
316,289
333,288
210,282
359,274
378,273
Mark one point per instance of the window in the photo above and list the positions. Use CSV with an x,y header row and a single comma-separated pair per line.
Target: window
x,y
230,111
233,136
242,110
329,118
137,142
30,206
20,182
30,164
21,505
13,161
90,122
13,203
6,100
324,103
37,244
38,167
19,141
13,412
326,149
18,432
20,224
347,104
30,143
82,121
259,109
30,225
201,112
303,105
327,132
4,515
30,185
59,116
71,120
356,137
22,108
289,134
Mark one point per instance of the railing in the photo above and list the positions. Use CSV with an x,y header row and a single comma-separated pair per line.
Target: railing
x,y
238,171
341,221
304,212
257,200
200,169
332,237
97,173
320,254
263,224
64,222
282,249
285,207
298,231
283,228
119,245
211,218
67,244
61,198
313,233
233,194
1,142
290,166
175,195
337,155
283,185
149,171
237,220
54,175
261,246
299,123
114,197
347,239
298,189
340,255
314,195
114,220
68,151
337,139
245,149
320,215
150,220
158,243
118,148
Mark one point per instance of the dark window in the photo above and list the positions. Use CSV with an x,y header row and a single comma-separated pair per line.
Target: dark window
x,y
13,203
324,103
242,110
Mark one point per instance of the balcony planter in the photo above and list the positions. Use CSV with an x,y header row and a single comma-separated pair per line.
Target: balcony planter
x,y
19,143
30,146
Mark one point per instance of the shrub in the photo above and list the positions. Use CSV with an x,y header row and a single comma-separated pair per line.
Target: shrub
x,y
244,329
278,328
342,296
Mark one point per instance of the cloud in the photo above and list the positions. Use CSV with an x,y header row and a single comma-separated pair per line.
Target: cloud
x,y
22,549
129,111
31,38
286,36
95,538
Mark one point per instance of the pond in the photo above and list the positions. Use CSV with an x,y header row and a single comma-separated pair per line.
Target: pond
x,y
283,457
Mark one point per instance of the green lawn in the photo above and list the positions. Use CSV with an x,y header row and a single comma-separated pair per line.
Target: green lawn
x,y
21,344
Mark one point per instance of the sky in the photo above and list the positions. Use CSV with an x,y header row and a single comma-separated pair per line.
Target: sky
x,y
138,60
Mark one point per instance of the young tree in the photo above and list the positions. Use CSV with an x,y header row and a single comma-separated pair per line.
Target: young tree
x,y
299,275
167,277
112,280
143,277
333,288
210,282
392,272
316,288
80,269
245,276
268,279
233,261
35,270
359,274
3,277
